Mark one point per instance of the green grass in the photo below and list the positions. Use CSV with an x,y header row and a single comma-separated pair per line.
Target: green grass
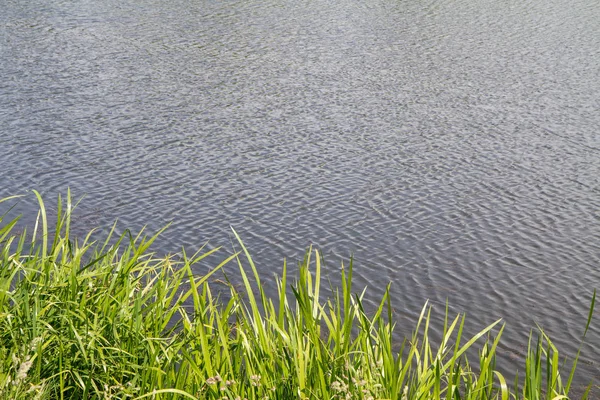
x,y
110,320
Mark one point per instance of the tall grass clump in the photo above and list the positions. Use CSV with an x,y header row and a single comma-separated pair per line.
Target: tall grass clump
x,y
110,320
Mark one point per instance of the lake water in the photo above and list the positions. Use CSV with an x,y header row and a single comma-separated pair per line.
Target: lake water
x,y
451,146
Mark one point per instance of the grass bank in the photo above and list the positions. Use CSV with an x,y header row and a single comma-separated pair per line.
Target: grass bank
x,y
110,320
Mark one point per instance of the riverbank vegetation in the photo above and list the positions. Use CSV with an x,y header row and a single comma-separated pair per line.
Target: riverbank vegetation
x,y
110,320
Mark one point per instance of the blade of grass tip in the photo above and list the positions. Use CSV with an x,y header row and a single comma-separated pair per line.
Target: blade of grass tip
x,y
503,386
349,315
488,359
224,333
6,229
377,316
16,196
199,255
586,394
58,226
446,319
194,287
21,244
389,307
426,346
282,295
448,331
86,240
108,237
35,230
304,281
317,283
467,345
67,223
420,321
529,387
195,284
44,223
538,365
253,266
589,320
68,215
148,242
3,215
527,378
256,320
553,376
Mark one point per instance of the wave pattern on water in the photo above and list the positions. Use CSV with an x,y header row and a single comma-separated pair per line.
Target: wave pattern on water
x,y
453,147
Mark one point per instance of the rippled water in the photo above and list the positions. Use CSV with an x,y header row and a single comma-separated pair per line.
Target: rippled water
x,y
452,146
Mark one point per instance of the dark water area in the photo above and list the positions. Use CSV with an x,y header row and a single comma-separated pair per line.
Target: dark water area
x,y
452,147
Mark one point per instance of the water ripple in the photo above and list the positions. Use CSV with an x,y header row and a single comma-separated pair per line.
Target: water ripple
x,y
450,146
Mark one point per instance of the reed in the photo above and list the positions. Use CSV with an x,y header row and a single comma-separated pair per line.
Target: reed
x,y
111,320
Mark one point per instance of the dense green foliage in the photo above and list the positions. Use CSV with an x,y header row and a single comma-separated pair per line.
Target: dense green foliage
x,y
111,320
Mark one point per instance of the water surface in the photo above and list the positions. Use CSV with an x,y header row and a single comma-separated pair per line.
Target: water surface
x,y
453,147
